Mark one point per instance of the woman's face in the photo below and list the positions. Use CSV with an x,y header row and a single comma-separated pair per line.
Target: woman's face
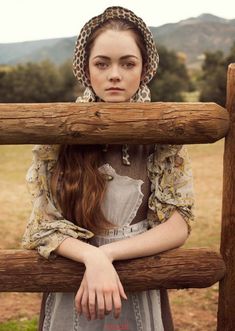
x,y
115,66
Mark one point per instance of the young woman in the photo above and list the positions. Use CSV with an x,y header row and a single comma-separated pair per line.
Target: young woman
x,y
97,204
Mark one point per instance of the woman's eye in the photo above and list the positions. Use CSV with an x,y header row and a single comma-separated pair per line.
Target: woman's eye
x,y
129,65
101,65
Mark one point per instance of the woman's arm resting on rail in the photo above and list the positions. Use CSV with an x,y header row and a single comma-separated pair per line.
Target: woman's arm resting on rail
x,y
77,250
168,235
100,281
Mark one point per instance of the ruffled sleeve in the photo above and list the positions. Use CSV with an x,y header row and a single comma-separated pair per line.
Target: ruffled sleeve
x,y
46,228
171,179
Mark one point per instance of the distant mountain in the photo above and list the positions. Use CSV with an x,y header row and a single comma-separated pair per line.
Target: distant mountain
x,y
192,37
57,50
196,35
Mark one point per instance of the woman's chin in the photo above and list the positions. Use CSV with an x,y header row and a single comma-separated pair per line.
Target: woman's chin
x,y
115,99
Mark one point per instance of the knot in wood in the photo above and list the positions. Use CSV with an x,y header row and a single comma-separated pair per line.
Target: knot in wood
x,y
98,114
179,129
76,134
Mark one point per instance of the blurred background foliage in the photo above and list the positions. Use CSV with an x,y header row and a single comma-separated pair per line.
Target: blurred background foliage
x,y
49,82
212,83
172,77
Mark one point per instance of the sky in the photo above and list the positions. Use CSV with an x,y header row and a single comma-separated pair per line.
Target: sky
x,y
23,20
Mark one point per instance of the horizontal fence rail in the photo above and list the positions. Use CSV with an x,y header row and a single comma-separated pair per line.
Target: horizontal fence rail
x,y
113,123
26,271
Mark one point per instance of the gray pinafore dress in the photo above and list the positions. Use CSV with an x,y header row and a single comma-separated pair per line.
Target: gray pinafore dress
x,y
142,310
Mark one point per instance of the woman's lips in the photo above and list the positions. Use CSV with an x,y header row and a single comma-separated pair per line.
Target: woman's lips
x,y
114,89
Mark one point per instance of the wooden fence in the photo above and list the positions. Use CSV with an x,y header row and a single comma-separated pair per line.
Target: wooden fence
x,y
170,123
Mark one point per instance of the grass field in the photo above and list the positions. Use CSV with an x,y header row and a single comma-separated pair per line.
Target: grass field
x,y
19,325
193,310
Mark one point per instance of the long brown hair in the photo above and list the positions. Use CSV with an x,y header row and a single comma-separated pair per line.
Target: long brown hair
x,y
76,182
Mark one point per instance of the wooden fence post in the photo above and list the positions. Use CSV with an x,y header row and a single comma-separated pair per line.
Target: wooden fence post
x,y
226,310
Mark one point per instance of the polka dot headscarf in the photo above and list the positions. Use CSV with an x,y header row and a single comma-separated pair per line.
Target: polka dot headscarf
x,y
95,22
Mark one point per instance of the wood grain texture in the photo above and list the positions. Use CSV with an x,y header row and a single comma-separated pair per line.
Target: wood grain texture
x,y
226,313
98,123
26,271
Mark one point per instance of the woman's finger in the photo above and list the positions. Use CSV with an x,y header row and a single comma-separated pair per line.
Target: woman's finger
x,y
100,304
91,304
108,302
117,304
121,289
78,299
85,307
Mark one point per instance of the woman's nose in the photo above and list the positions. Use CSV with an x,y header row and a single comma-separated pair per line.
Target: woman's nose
x,y
114,74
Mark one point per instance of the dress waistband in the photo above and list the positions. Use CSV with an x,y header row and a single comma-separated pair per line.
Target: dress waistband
x,y
126,229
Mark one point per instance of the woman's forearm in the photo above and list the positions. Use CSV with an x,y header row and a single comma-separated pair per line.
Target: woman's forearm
x,y
163,237
78,250
168,235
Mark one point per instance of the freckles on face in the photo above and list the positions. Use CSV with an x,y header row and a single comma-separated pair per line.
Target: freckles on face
x,y
115,66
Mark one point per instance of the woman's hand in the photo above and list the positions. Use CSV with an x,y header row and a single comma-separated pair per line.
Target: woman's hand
x,y
100,290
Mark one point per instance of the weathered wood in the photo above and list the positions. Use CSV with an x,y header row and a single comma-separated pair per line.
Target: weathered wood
x,y
226,312
26,271
98,123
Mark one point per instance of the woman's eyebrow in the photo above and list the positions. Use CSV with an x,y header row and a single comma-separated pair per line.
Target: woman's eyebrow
x,y
128,56
104,57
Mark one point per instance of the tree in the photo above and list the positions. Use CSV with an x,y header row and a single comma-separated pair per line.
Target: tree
x,y
70,88
171,79
38,82
31,82
214,76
